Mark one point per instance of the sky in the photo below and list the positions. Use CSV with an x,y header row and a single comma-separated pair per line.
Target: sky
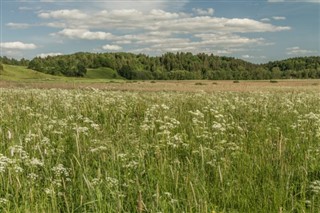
x,y
254,30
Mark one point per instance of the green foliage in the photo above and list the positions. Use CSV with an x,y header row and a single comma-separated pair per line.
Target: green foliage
x,y
176,66
12,61
102,151
300,67
1,68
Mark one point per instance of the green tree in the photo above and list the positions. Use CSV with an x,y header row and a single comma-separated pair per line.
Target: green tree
x,y
81,70
1,68
276,73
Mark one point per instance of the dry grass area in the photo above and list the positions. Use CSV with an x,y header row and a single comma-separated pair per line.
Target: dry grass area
x,y
179,86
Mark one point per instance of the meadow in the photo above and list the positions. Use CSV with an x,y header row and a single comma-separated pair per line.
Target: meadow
x,y
91,150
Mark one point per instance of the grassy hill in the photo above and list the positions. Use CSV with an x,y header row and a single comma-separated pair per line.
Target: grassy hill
x,y
102,73
21,73
17,73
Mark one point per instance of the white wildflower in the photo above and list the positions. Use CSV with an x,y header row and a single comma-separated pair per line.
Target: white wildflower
x,y
36,162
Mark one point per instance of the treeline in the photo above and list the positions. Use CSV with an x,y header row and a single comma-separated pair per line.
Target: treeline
x,y
67,65
300,67
13,61
178,66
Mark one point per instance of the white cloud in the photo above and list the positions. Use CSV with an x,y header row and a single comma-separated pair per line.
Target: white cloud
x,y
202,12
299,51
112,47
265,19
252,57
157,30
279,18
247,56
17,45
159,20
63,14
44,55
85,34
213,24
227,39
18,25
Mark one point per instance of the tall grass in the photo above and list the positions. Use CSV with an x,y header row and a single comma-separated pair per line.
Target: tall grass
x,y
101,151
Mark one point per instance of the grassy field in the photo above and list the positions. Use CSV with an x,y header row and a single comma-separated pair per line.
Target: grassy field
x,y
102,73
89,150
101,145
22,75
107,79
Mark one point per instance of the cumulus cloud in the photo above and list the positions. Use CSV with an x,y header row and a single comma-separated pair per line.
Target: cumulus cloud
x,y
228,39
265,19
84,34
63,14
112,47
158,30
159,20
299,51
203,12
279,18
17,45
18,25
44,55
247,56
252,57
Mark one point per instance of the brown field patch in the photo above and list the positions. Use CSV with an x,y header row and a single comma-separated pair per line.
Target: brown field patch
x,y
179,86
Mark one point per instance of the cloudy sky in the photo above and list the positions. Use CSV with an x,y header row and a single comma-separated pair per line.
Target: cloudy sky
x,y
254,30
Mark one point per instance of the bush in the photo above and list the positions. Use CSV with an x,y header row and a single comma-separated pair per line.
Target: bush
x,y
1,68
199,83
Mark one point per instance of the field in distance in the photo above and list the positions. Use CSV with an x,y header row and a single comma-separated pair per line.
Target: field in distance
x,y
108,79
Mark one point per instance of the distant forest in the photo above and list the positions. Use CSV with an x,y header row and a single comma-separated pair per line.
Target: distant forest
x,y
175,66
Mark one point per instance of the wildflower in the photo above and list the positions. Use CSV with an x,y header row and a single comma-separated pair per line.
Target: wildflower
x,y
49,191
3,201
9,135
95,181
17,169
60,170
98,149
36,162
32,176
4,162
112,182
315,187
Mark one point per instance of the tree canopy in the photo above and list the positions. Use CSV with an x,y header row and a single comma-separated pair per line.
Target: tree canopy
x,y
178,66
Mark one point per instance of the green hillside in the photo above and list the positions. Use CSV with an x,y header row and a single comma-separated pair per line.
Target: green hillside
x,y
23,74
102,73
16,73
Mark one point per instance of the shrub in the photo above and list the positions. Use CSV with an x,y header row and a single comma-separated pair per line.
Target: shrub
x,y
199,83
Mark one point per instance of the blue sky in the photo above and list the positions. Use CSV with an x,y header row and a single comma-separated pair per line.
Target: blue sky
x,y
257,31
